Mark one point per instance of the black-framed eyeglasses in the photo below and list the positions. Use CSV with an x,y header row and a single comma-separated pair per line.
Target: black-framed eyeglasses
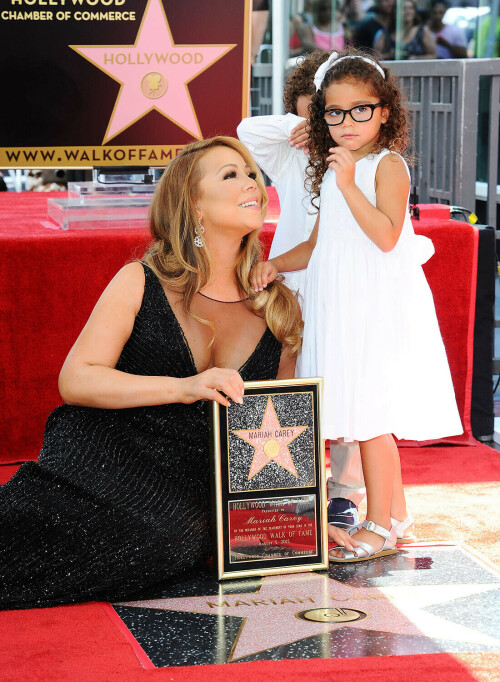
x,y
360,113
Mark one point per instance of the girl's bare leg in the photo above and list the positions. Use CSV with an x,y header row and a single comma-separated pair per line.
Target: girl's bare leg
x,y
398,503
398,506
378,460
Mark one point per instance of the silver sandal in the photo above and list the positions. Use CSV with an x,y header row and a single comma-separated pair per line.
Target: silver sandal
x,y
400,527
366,551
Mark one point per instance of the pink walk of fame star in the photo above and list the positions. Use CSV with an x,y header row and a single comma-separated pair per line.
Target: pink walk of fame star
x,y
154,73
271,442
274,615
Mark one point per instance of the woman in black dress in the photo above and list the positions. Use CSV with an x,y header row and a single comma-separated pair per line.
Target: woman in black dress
x,y
119,499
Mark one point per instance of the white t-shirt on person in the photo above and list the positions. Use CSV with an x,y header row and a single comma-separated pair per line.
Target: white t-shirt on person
x,y
267,140
452,34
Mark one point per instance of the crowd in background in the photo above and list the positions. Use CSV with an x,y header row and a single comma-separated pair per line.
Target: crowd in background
x,y
429,29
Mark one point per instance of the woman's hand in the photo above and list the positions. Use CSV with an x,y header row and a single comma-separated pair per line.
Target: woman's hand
x,y
342,162
262,274
89,376
212,384
299,137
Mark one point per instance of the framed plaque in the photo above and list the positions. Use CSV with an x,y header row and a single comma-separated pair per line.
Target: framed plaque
x,y
269,481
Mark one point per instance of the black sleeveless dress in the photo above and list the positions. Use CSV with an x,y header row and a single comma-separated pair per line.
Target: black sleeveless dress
x,y
119,499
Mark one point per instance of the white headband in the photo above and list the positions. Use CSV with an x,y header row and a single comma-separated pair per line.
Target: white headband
x,y
335,59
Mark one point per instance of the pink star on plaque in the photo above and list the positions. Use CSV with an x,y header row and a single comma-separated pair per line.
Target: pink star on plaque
x,y
153,73
271,442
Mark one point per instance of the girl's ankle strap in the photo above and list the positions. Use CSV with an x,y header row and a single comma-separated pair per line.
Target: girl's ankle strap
x,y
375,528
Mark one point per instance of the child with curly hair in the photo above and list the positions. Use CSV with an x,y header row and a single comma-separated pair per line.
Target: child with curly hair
x,y
370,326
278,143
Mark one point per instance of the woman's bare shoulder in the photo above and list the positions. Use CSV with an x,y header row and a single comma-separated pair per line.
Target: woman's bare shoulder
x,y
127,285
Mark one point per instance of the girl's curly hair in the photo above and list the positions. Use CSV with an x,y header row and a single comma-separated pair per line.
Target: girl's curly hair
x,y
393,134
300,80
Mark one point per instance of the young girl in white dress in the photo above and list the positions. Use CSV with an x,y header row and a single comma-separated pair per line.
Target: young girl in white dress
x,y
370,325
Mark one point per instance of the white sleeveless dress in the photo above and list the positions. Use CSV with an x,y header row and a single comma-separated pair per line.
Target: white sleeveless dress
x,y
371,329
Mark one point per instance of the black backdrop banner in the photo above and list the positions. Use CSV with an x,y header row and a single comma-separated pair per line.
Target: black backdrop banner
x,y
119,82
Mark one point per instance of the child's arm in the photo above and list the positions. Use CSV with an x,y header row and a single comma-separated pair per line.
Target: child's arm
x,y
299,137
296,259
268,140
381,223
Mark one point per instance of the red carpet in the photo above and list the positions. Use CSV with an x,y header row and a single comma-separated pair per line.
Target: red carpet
x,y
452,490
79,644
60,645
51,280
447,486
438,465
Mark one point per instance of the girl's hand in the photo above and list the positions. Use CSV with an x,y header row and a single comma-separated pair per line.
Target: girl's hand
x,y
342,162
262,274
299,137
211,384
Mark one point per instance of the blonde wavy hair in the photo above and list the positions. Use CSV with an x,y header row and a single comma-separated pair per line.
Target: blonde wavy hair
x,y
179,264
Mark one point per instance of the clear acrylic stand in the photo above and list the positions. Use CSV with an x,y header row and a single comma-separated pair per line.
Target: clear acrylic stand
x,y
121,201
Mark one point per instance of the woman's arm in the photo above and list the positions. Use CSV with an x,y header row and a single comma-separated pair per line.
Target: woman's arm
x,y
88,376
381,47
381,223
429,45
295,259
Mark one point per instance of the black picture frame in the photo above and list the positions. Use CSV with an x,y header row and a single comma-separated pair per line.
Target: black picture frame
x,y
268,481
